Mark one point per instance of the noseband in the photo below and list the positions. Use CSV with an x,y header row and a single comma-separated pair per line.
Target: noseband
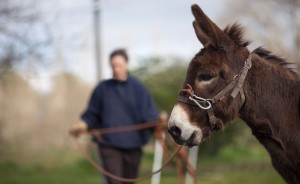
x,y
236,85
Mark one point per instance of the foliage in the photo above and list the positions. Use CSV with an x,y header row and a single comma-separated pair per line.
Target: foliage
x,y
163,82
236,134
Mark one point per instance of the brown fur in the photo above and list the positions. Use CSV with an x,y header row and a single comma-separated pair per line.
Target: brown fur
x,y
272,106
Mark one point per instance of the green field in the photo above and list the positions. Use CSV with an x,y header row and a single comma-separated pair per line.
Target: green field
x,y
228,167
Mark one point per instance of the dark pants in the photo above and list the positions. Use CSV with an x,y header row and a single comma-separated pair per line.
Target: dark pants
x,y
120,162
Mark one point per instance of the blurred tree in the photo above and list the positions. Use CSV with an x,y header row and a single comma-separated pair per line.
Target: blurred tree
x,y
64,107
22,33
163,82
274,23
235,133
34,124
18,104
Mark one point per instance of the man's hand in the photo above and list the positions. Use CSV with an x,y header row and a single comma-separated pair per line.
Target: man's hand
x,y
78,128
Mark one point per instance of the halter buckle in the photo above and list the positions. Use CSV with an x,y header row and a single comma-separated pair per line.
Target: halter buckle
x,y
201,102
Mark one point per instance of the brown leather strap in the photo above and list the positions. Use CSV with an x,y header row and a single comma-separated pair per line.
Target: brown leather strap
x,y
212,118
242,77
224,92
185,100
243,97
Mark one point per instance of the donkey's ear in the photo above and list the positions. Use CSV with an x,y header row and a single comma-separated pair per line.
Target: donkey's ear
x,y
213,32
202,37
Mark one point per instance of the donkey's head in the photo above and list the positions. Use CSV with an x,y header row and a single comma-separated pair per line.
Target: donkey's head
x,y
201,107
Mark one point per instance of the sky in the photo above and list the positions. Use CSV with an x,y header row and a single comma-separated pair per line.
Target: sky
x,y
146,28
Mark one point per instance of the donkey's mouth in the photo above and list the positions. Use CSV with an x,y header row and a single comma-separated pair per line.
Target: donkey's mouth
x,y
189,142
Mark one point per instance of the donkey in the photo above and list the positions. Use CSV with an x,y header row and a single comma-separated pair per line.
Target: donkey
x,y
225,81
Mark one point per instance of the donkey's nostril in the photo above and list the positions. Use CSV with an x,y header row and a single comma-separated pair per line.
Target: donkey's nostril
x,y
175,131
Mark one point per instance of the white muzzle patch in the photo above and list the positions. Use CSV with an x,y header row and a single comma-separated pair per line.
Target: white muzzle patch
x,y
179,119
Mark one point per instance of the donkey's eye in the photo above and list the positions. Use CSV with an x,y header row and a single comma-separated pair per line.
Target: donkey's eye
x,y
205,77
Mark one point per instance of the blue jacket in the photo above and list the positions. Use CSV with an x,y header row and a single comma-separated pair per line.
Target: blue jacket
x,y
119,103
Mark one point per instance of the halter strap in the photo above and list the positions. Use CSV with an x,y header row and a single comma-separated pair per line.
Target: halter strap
x,y
236,85
242,77
210,112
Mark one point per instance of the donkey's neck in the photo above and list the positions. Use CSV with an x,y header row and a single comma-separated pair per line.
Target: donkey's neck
x,y
272,104
272,112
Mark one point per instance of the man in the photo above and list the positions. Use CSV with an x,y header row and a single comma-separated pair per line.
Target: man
x,y
118,102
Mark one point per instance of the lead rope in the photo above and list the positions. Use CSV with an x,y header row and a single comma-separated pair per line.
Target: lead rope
x,y
98,133
118,178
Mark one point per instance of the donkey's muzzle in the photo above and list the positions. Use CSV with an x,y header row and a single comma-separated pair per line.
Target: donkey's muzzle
x,y
182,130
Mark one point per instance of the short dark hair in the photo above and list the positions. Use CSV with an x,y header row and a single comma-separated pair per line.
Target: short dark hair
x,y
119,52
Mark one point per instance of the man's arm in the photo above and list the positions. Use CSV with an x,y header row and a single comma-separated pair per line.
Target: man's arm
x,y
148,107
90,118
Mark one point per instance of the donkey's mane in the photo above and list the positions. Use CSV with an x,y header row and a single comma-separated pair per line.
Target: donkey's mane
x,y
269,56
236,31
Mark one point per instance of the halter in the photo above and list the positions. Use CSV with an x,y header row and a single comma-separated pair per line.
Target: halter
x,y
236,85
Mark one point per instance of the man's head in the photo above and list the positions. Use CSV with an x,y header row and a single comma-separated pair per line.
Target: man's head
x,y
119,64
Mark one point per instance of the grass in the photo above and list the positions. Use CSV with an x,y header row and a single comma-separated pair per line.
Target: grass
x,y
229,167
81,172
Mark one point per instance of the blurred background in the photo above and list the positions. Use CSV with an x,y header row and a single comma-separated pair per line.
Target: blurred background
x,y
50,61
